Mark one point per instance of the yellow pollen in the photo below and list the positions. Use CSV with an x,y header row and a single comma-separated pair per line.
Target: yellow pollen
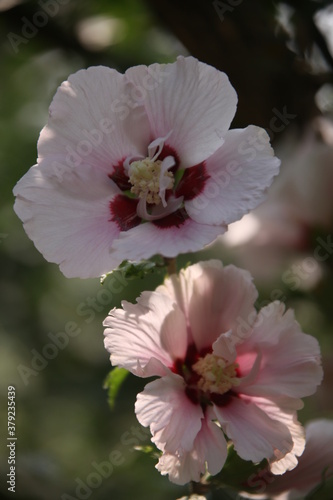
x,y
144,175
216,375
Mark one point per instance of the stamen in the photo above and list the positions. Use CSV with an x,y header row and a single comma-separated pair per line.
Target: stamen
x,y
150,179
216,375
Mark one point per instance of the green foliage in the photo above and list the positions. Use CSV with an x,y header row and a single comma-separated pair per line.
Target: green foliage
x,y
133,270
113,383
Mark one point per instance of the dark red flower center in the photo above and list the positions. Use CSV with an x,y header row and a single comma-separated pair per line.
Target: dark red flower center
x,y
150,183
209,378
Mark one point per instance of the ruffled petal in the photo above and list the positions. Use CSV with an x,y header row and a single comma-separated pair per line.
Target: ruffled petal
x,y
169,237
284,410
239,173
209,451
190,99
173,419
313,464
94,119
254,433
153,328
66,214
290,364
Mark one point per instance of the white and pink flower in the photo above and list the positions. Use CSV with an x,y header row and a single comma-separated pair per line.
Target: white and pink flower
x,y
222,367
140,164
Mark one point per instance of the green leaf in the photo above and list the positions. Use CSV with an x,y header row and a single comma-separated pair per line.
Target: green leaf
x,y
132,270
113,382
148,449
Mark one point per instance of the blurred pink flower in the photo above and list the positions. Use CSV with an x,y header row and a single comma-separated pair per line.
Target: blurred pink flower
x,y
280,232
314,466
221,365
139,164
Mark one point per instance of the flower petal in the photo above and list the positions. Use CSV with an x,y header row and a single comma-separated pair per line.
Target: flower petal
x,y
191,99
66,214
153,328
212,446
284,411
173,419
209,447
290,364
239,173
254,433
176,236
220,297
93,118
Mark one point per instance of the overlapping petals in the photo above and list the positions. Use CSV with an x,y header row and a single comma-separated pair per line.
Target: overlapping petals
x,y
315,467
138,164
224,370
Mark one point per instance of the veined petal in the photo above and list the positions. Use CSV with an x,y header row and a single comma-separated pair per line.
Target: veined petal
x,y
192,99
211,446
173,419
290,364
209,451
239,173
94,119
169,236
283,410
219,298
153,328
66,214
254,433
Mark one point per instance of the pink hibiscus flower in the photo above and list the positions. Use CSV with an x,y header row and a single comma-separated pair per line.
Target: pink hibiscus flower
x,y
221,365
140,164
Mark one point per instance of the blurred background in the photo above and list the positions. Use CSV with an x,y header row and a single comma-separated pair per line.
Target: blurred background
x,y
279,58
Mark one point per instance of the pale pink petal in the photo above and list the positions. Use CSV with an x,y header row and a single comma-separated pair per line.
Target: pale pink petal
x,y
212,446
240,172
145,240
153,328
214,300
180,286
67,216
181,468
193,101
209,451
220,300
290,364
94,119
284,410
173,419
255,435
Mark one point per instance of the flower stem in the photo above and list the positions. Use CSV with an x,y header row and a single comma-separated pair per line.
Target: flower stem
x,y
171,265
